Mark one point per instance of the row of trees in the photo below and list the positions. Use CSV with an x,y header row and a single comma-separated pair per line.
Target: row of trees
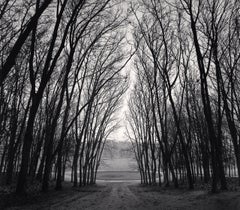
x,y
184,110
60,85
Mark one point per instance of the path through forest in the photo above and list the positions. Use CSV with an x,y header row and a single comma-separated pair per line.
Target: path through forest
x,y
130,196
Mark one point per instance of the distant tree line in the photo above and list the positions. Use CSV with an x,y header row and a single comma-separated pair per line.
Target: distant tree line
x,y
60,85
184,111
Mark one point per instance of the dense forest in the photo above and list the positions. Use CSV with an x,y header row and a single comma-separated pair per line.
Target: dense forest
x,y
63,77
184,109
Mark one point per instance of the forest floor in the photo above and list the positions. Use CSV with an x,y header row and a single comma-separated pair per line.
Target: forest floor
x,y
126,195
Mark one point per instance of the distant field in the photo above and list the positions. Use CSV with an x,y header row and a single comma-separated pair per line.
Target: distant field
x,y
118,164
118,169
118,175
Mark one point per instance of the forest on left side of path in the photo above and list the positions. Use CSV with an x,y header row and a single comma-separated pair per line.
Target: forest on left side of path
x,y
61,83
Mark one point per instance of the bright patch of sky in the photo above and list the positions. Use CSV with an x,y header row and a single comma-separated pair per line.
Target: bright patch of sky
x,y
119,134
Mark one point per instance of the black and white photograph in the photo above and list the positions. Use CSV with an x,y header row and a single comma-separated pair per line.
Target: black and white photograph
x,y
120,104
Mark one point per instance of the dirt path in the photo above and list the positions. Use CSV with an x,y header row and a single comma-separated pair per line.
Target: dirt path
x,y
130,196
114,196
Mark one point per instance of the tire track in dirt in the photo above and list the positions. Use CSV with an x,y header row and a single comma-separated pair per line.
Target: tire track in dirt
x,y
120,197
